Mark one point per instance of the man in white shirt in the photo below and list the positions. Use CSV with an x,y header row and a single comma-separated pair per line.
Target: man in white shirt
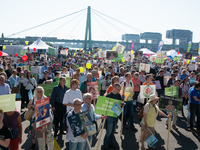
x,y
72,94
122,79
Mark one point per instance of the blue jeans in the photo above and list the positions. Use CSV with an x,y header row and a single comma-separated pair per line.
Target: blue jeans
x,y
111,123
77,146
90,141
194,108
129,107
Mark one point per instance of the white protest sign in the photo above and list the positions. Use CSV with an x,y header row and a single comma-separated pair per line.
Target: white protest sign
x,y
145,67
192,67
147,90
64,52
101,54
119,48
36,69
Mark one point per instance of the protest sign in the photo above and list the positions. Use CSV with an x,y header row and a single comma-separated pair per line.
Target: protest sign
x,y
128,94
104,105
23,52
197,60
30,95
64,52
51,51
61,57
188,55
159,60
192,80
18,106
138,54
101,54
111,54
86,120
147,90
76,125
30,56
192,67
170,103
92,88
117,109
68,82
36,69
172,91
145,67
176,58
7,102
157,83
166,79
162,54
119,48
81,79
42,112
151,140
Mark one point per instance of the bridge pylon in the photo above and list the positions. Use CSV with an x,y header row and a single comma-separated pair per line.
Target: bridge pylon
x,y
88,34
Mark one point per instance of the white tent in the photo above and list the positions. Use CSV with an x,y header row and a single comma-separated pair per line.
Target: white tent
x,y
147,52
173,53
39,45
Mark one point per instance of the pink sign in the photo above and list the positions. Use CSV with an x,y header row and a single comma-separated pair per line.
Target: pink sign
x,y
132,45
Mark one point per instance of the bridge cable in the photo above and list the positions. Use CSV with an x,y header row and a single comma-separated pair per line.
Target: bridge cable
x,y
136,29
117,28
64,24
46,22
103,28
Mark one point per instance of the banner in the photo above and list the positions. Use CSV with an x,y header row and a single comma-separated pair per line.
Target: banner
x,y
170,103
111,54
42,112
23,52
101,54
147,90
36,69
119,58
160,45
104,105
64,52
189,46
172,91
119,48
7,102
132,46
92,88
145,67
51,51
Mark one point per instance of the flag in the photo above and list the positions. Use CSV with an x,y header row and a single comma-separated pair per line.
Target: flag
x,y
189,46
199,49
132,46
160,45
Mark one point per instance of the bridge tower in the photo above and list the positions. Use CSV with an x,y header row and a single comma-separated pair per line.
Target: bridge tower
x,y
88,30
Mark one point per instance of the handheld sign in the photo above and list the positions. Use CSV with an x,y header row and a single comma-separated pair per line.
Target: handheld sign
x,y
7,102
147,90
172,91
157,83
151,140
42,112
117,109
104,105
92,88
30,95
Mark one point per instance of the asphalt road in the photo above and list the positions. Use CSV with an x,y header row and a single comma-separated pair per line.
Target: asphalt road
x,y
181,139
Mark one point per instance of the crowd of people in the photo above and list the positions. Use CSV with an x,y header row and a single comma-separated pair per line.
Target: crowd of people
x,y
112,77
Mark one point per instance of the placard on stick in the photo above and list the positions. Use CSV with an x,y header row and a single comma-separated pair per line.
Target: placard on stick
x,y
104,105
172,91
147,90
7,102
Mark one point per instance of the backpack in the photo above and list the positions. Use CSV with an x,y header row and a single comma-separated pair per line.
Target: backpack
x,y
64,122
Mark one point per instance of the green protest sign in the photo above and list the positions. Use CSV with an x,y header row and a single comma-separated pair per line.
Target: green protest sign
x,y
176,58
117,60
23,52
104,105
172,91
48,88
120,55
7,102
159,60
51,51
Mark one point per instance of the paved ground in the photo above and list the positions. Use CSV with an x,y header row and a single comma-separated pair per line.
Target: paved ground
x,y
181,139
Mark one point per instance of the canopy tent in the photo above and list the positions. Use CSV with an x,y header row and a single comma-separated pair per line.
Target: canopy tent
x,y
4,54
39,45
173,53
147,52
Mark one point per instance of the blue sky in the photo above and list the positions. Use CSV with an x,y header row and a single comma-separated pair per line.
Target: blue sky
x,y
146,15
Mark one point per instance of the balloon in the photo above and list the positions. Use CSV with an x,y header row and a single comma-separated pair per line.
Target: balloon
x,y
184,62
94,56
34,49
89,52
165,58
113,48
148,55
192,58
88,65
24,58
16,54
101,58
68,47
4,47
123,59
188,61
178,53
1,53
133,56
81,69
100,50
132,52
169,59
10,43
74,54
80,50
26,42
83,51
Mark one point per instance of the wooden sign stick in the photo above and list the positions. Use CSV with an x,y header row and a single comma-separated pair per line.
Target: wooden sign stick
x,y
88,143
122,121
101,133
169,129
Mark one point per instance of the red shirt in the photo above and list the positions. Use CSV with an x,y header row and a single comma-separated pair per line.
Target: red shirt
x,y
135,82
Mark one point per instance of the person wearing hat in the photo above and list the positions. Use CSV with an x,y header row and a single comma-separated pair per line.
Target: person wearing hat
x,y
183,75
150,114
45,79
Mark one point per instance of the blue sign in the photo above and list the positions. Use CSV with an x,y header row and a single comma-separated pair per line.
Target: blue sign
x,y
151,140
160,45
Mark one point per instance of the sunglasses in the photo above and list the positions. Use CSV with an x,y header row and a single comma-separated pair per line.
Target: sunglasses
x,y
39,91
